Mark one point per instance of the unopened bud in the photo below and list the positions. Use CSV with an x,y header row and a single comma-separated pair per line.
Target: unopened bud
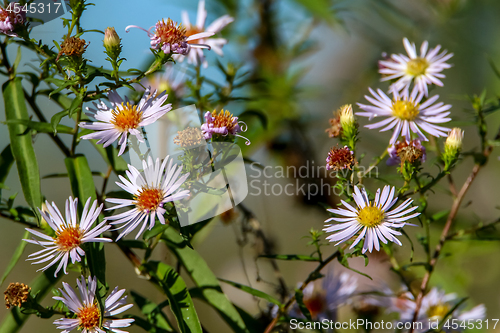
x,y
452,147
346,116
112,42
454,139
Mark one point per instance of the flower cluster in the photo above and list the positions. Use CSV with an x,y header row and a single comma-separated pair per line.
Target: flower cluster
x,y
10,18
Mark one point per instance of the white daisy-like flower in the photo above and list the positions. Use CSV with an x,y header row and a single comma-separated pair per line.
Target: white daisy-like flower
x,y
323,300
424,69
373,221
159,185
196,55
69,234
405,114
123,118
436,304
86,309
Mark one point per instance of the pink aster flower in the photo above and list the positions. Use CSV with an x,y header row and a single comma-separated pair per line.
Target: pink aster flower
x,y
171,37
9,19
224,124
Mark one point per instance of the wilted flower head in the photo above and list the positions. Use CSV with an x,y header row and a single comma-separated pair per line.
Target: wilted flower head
x,y
335,126
403,151
223,123
189,137
171,37
9,19
216,44
72,47
340,159
16,294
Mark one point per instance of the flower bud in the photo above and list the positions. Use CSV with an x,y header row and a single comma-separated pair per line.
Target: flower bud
x,y
454,140
452,147
112,43
349,126
346,116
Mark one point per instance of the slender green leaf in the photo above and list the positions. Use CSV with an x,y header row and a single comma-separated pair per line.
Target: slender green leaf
x,y
21,145
42,127
299,297
252,291
153,312
175,289
205,280
56,119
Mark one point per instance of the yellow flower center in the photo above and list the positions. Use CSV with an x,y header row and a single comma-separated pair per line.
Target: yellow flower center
x,y
126,117
405,110
370,216
438,311
193,30
68,238
223,119
88,317
148,199
417,66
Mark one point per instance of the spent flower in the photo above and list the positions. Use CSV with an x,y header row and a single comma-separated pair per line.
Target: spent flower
x,y
16,294
340,159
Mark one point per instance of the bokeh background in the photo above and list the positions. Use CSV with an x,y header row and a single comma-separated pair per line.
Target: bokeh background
x,y
313,61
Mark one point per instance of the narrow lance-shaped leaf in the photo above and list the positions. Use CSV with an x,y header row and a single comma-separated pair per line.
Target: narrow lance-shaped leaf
x,y
21,145
204,279
176,291
15,257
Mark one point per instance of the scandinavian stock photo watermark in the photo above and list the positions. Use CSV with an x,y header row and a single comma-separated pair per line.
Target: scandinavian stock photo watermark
x,y
308,180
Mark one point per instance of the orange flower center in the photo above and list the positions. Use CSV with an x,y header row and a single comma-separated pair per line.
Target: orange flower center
x,y
89,316
68,238
148,199
224,118
315,304
193,30
126,117
170,32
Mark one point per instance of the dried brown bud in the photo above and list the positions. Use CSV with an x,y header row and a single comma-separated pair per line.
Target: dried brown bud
x,y
335,127
189,137
72,47
16,294
228,216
